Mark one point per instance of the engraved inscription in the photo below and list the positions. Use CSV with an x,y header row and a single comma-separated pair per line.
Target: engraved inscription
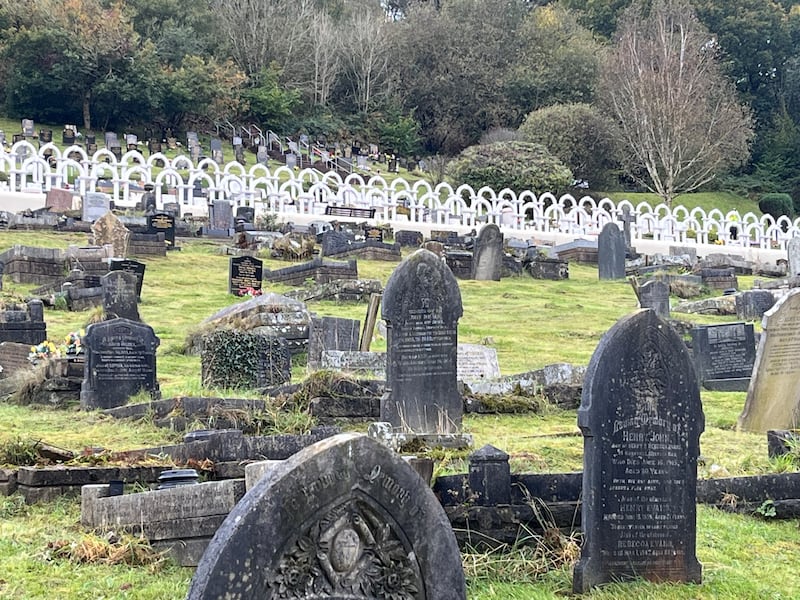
x,y
424,346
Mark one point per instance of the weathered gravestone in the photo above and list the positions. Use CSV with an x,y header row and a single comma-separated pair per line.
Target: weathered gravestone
x,y
240,359
752,304
245,273
343,518
773,401
408,239
793,250
120,362
58,200
641,419
335,242
724,355
487,255
109,230
120,296
95,205
655,295
221,219
421,306
130,266
331,333
477,363
611,253
162,222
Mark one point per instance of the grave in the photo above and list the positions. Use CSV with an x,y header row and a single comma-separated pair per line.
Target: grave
x,y
220,223
58,200
120,295
95,205
129,266
724,356
580,251
611,250
460,263
164,223
342,244
408,239
772,398
719,279
23,322
344,518
793,251
244,275
477,363
109,230
239,359
421,306
318,270
120,362
331,333
752,304
487,254
655,295
542,267
147,244
358,362
641,419
14,357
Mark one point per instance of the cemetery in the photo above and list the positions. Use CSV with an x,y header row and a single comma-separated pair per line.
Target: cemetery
x,y
406,410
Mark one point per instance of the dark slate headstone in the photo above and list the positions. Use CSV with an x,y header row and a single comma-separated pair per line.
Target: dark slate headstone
x,y
162,222
246,214
373,234
487,254
334,242
655,295
408,239
343,518
421,306
724,355
221,222
245,272
120,362
331,333
752,304
641,419
120,295
130,266
611,253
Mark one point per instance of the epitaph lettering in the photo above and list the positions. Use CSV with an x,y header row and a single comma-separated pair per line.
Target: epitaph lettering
x,y
130,266
246,274
724,355
641,419
421,307
162,222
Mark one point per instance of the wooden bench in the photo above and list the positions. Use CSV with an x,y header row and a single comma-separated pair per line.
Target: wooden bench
x,y
350,211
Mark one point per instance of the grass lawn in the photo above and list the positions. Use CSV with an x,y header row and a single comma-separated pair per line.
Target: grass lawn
x,y
531,324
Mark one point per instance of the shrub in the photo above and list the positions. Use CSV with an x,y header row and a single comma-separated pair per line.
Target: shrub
x,y
579,136
515,165
776,205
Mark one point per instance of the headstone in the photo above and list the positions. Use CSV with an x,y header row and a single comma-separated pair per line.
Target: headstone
x,y
111,139
334,242
245,274
641,419
246,214
291,160
408,239
262,156
58,200
343,518
373,234
421,306
611,253
120,362
216,151
655,295
162,222
724,355
28,128
793,249
752,304
477,363
221,222
130,266
68,137
331,333
120,295
109,230
45,136
487,258
627,218
95,205
772,398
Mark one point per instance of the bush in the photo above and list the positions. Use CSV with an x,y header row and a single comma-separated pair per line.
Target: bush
x,y
515,165
776,205
579,136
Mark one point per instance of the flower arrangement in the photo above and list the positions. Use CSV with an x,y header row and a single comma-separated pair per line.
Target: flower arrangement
x,y
249,291
71,346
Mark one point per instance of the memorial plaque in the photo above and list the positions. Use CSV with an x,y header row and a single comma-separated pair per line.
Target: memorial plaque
x,y
130,266
772,398
421,306
245,272
487,260
752,304
120,297
641,419
95,205
724,355
345,518
611,250
162,222
655,295
120,362
373,234
476,363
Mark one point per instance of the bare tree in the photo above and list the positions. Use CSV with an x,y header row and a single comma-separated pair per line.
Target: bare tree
x,y
325,57
365,53
679,118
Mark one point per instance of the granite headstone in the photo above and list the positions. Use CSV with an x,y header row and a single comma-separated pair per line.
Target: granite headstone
x,y
487,259
245,272
724,355
130,266
331,333
752,304
655,295
162,222
611,253
120,295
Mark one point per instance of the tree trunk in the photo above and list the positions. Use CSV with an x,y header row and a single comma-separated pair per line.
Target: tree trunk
x,y
87,115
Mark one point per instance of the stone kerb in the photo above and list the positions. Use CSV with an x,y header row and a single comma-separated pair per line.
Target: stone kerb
x,y
344,518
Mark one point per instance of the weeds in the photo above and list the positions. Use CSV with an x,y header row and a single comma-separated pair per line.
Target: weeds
x,y
19,452
109,548
13,506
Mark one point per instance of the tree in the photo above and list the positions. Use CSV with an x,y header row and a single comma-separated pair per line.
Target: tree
x,y
518,166
679,120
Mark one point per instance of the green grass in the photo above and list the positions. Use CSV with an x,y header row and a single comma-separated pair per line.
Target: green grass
x,y
724,201
530,323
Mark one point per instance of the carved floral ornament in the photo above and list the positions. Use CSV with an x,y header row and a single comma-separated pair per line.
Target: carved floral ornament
x,y
351,553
